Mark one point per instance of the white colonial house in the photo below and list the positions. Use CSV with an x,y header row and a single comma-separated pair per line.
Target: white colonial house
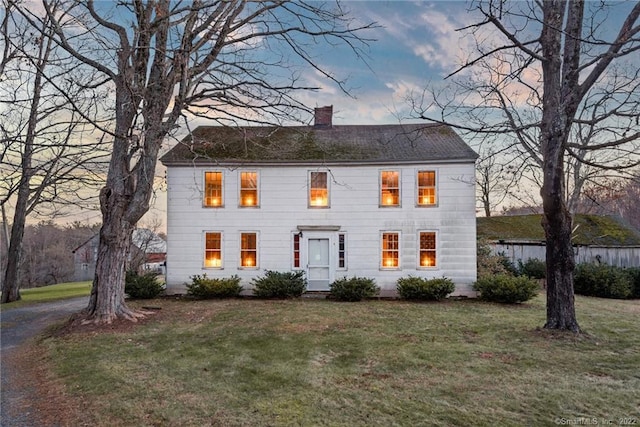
x,y
378,201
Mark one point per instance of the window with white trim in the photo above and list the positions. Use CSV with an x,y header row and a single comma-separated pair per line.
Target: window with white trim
x,y
426,188
249,189
389,188
213,189
249,250
342,251
428,249
390,250
318,189
213,249
296,250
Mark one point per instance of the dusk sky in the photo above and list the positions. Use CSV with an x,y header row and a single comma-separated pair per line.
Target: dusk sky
x,y
416,45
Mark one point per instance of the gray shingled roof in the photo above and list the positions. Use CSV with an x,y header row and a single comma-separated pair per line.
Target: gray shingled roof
x,y
413,143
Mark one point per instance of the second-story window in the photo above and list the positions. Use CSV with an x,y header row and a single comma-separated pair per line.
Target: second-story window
x,y
318,190
248,189
389,188
426,188
213,189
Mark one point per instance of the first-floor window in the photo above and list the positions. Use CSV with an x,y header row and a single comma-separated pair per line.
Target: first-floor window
x,y
296,250
249,250
213,250
342,251
390,256
427,249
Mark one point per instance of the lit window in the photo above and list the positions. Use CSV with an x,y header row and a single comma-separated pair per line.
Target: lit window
x,y
342,251
213,250
427,249
213,189
296,250
389,188
249,250
318,190
248,189
426,188
390,250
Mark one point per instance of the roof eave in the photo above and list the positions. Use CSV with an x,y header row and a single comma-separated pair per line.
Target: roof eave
x,y
294,163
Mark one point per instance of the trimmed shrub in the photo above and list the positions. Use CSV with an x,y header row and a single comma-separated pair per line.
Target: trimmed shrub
x,y
418,288
276,284
142,286
353,289
533,267
634,276
506,289
602,280
202,287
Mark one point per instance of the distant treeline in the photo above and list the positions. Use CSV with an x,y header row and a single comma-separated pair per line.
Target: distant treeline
x,y
47,252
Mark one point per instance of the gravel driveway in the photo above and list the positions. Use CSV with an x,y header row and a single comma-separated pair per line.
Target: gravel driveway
x,y
17,326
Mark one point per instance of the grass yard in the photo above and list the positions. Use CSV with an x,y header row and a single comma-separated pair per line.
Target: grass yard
x,y
50,293
377,363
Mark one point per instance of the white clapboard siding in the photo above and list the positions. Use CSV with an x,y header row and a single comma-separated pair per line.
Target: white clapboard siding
x,y
353,208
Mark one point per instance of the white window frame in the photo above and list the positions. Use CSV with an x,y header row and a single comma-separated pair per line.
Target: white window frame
x,y
436,250
204,252
309,188
297,234
204,189
435,188
346,251
381,250
257,251
380,188
240,189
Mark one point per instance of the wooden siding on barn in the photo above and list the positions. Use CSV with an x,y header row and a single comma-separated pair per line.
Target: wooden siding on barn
x,y
620,256
354,209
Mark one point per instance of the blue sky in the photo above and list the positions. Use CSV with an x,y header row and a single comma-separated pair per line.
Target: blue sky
x,y
415,44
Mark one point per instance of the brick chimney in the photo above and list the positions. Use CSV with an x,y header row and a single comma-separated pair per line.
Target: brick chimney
x,y
323,117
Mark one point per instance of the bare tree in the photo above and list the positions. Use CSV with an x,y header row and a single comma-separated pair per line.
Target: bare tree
x,y
231,60
47,156
617,198
497,175
560,86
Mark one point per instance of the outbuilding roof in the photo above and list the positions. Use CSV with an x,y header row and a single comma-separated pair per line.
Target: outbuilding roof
x,y
590,230
383,144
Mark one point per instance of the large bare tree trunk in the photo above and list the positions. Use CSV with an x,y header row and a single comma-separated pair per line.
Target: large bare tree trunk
x,y
107,301
560,102
557,225
167,59
11,284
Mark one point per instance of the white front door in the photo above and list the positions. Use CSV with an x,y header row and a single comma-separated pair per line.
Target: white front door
x,y
318,267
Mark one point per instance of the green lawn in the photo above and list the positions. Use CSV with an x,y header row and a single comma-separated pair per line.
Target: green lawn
x,y
50,293
377,363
